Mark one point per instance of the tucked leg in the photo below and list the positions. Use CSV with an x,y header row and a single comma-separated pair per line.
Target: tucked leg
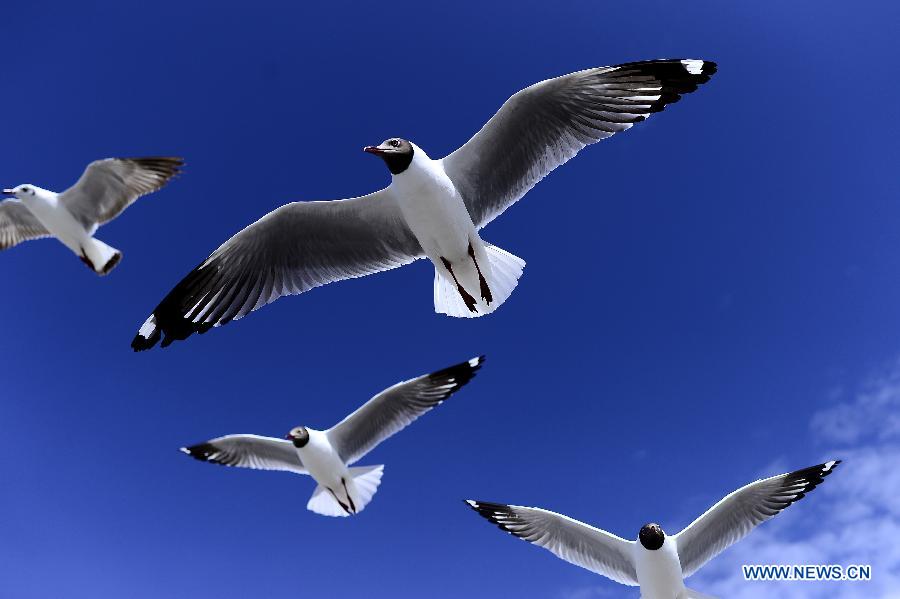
x,y
341,503
349,498
468,299
486,294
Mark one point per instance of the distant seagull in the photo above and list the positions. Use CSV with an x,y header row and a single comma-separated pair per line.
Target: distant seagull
x,y
432,208
326,455
658,563
106,188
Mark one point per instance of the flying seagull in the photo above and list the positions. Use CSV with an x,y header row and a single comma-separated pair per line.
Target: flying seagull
x,y
327,455
106,188
656,562
432,208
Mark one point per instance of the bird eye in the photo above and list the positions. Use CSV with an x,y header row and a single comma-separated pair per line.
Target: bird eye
x,y
395,143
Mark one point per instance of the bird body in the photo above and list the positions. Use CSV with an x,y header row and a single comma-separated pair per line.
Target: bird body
x,y
659,572
105,189
59,222
327,468
435,212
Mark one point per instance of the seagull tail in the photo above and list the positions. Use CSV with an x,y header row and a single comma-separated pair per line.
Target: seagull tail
x,y
361,488
503,277
99,257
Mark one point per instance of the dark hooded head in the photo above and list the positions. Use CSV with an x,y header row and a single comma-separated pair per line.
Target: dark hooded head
x,y
397,154
652,536
299,436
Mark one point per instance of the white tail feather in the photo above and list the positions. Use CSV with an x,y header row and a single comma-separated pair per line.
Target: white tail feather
x,y
365,480
101,258
505,270
322,502
362,488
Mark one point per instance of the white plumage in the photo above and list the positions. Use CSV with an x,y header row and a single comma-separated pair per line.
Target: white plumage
x,y
105,189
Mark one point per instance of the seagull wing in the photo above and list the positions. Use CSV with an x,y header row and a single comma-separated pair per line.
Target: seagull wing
x,y
109,186
737,514
395,408
543,126
289,251
18,224
249,451
570,540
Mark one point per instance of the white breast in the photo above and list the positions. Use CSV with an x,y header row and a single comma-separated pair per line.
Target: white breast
x,y
57,220
659,572
432,208
321,460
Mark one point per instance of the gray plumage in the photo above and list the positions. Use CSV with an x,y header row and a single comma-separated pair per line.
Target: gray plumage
x,y
18,224
544,125
732,518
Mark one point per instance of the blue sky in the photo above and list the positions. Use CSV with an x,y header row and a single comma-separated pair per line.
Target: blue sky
x,y
715,296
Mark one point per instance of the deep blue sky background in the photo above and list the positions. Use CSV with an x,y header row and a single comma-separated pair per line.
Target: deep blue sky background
x,y
694,288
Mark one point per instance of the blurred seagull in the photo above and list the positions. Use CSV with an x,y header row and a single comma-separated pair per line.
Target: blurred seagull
x,y
326,455
432,208
656,562
106,188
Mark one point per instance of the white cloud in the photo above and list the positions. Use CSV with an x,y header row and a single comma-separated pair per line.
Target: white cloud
x,y
855,518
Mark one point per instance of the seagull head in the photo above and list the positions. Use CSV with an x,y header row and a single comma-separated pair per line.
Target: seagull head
x,y
652,536
299,436
22,191
397,153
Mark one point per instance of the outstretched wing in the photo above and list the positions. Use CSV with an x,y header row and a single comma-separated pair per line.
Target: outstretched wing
x,y
248,451
545,125
18,224
289,251
573,541
737,514
109,186
395,408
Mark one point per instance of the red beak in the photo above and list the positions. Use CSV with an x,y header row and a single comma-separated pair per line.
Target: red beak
x,y
373,150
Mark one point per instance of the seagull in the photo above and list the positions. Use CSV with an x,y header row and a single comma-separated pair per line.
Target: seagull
x,y
432,208
328,455
656,562
105,189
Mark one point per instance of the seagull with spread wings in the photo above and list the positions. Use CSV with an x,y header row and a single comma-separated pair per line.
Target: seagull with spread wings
x,y
656,562
328,456
103,192
432,208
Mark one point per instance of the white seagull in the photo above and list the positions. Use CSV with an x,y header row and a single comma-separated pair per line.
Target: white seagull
x,y
656,562
432,208
328,455
106,188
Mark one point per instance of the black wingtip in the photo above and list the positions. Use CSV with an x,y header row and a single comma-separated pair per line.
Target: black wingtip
x,y
498,514
148,336
807,479
459,374
200,451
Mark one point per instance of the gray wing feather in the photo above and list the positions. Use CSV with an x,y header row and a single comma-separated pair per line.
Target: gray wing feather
x,y
109,186
18,224
289,251
545,125
395,408
248,451
732,518
570,540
